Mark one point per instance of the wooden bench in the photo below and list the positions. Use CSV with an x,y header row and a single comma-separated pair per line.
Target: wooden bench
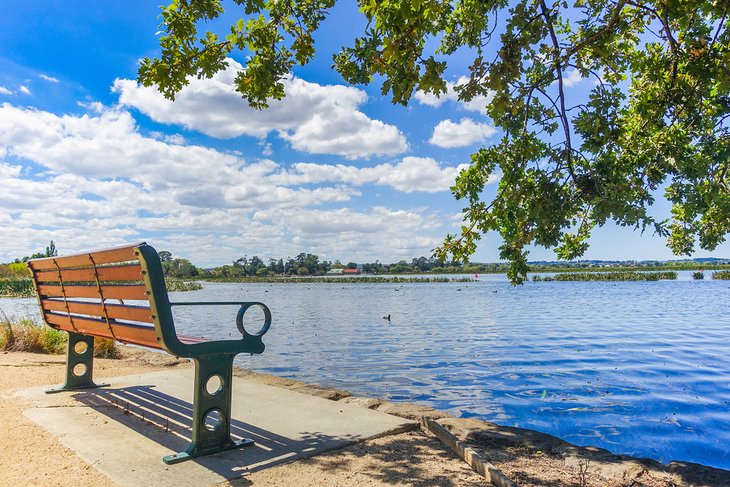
x,y
120,293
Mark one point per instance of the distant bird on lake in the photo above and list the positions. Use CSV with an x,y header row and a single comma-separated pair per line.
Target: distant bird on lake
x,y
495,291
386,317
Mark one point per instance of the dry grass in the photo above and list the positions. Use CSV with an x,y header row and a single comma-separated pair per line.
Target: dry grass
x,y
106,348
27,335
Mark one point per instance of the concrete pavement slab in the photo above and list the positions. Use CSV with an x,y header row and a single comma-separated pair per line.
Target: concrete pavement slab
x,y
124,430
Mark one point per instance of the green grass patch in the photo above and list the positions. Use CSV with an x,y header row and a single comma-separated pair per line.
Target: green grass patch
x,y
609,276
721,275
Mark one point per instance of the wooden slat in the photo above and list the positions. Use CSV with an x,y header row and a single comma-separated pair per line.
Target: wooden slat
x,y
108,256
131,272
127,333
115,311
136,291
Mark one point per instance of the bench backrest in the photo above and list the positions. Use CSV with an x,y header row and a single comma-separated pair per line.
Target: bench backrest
x,y
101,293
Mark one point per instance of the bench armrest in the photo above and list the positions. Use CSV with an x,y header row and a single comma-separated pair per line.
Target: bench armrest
x,y
244,306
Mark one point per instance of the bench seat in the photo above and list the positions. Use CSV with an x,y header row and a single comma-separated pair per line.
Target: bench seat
x,y
121,294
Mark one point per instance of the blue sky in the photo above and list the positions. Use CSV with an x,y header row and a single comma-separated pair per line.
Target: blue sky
x,y
88,158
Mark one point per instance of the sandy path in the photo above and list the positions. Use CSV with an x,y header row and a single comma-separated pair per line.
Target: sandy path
x,y
31,456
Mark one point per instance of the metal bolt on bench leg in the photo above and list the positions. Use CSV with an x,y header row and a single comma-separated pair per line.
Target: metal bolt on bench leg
x,y
79,364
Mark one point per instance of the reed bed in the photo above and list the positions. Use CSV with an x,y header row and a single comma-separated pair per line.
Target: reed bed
x,y
17,288
177,285
721,275
344,280
609,276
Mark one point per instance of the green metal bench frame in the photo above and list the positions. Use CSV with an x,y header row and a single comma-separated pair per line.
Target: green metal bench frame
x,y
211,419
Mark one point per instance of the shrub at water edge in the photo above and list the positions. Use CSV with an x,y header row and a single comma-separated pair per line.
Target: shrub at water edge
x,y
722,275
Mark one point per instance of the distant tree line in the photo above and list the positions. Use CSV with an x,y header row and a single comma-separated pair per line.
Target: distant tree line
x,y
306,264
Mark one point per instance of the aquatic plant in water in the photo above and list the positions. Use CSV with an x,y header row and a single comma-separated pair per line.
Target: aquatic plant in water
x,y
609,276
722,275
344,280
177,285
17,288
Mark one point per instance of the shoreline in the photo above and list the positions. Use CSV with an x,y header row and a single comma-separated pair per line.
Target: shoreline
x,y
528,457
488,438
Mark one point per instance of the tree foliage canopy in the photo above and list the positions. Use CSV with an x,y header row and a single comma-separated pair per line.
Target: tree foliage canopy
x,y
655,120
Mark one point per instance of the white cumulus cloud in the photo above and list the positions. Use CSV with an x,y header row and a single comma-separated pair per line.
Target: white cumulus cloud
x,y
464,133
409,175
477,104
101,179
573,78
314,118
108,145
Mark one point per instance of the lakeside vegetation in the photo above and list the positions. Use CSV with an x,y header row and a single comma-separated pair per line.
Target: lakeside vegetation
x,y
16,282
309,268
609,276
23,287
341,280
17,288
27,335
722,275
176,285
305,264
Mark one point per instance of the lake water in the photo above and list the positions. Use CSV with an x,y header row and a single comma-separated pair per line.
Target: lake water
x,y
641,368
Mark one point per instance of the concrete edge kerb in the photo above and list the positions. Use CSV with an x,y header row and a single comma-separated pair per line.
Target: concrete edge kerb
x,y
463,451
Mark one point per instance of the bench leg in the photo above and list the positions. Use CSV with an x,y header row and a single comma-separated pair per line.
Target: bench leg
x,y
211,409
79,364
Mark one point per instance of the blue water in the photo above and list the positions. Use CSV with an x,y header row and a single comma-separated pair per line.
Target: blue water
x,y
640,368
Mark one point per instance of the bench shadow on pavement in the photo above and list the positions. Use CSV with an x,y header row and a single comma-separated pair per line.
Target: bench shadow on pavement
x,y
167,420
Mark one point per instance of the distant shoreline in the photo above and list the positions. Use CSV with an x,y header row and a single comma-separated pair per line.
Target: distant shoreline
x,y
361,279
